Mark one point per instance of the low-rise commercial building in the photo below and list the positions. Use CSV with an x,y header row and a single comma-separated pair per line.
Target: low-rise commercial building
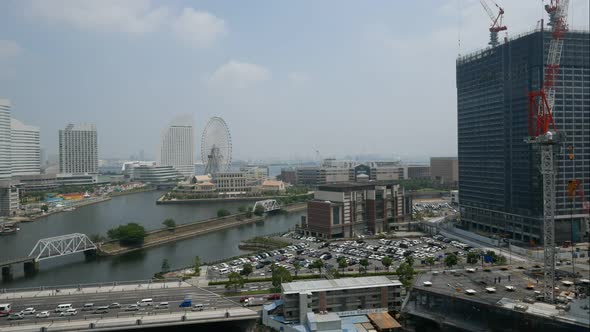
x,y
272,186
334,305
417,172
231,183
475,300
159,176
289,175
343,210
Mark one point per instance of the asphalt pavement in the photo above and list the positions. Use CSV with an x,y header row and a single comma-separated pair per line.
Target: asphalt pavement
x,y
174,296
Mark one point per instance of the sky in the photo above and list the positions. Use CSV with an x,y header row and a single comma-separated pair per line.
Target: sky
x,y
290,78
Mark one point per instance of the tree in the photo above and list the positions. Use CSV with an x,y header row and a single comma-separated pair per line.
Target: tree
x,y
96,238
223,213
235,280
297,267
430,262
242,209
386,261
318,264
472,258
405,273
169,223
130,234
259,210
342,263
410,260
280,275
364,263
247,269
197,265
451,260
44,208
165,266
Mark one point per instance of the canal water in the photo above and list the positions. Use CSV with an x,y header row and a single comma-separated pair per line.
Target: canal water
x,y
140,208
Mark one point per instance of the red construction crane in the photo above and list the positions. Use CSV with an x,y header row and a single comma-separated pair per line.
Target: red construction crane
x,y
543,133
496,21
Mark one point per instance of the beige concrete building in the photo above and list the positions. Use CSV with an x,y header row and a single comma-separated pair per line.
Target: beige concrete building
x,y
444,169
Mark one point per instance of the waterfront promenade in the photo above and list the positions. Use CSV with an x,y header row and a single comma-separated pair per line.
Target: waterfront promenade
x,y
184,231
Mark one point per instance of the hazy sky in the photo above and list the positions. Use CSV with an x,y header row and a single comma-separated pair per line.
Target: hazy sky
x,y
289,77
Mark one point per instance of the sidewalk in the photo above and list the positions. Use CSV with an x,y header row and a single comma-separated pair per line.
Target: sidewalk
x,y
201,280
9,295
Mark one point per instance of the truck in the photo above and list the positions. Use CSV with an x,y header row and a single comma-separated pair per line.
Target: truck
x,y
254,301
187,302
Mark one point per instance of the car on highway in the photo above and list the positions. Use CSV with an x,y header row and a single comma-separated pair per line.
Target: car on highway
x,y
88,307
197,307
162,305
63,307
132,307
28,311
69,312
145,303
16,316
43,314
101,310
114,305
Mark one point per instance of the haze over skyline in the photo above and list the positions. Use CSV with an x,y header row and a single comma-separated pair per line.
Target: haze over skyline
x,y
289,78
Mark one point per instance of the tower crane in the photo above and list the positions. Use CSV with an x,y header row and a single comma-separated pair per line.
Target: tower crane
x,y
496,21
542,132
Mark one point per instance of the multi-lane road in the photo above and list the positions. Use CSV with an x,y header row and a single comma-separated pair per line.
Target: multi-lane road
x,y
174,296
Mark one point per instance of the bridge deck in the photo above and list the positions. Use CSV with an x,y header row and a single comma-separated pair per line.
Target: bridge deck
x,y
18,260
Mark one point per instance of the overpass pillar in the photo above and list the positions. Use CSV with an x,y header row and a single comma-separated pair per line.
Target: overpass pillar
x,y
6,272
31,267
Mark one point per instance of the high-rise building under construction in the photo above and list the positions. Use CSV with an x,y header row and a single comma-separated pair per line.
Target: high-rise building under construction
x,y
500,184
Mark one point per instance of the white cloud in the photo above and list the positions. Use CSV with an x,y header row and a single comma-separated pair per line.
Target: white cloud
x,y
129,16
298,78
9,48
197,28
238,75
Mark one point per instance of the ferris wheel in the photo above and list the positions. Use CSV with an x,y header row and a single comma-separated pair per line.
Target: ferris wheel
x,y
216,146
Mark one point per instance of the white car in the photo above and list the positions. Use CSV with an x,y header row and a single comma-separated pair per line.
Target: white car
x,y
43,314
28,311
69,312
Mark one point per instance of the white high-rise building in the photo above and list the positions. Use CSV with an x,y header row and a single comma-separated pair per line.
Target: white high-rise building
x,y
26,149
5,138
78,150
178,145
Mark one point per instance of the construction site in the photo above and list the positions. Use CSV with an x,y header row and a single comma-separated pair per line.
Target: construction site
x,y
524,179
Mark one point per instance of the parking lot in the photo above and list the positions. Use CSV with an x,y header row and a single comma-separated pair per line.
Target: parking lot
x,y
306,250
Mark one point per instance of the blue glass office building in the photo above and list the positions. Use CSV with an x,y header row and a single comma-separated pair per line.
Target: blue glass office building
x,y
500,189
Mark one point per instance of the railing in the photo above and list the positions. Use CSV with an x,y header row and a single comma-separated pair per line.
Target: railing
x,y
88,285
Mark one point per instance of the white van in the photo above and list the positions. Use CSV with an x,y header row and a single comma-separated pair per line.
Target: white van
x,y
223,270
197,307
5,309
145,302
63,307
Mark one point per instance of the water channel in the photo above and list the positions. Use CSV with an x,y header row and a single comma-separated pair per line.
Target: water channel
x,y
140,208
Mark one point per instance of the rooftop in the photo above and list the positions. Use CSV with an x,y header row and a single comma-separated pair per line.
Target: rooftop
x,y
384,321
337,284
493,288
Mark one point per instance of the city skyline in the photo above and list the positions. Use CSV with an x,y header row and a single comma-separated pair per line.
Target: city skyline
x,y
372,67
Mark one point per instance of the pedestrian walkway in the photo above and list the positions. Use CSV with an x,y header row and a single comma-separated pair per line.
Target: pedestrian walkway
x,y
201,280
8,294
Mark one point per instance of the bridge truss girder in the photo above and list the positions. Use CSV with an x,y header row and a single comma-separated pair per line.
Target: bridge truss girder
x,y
268,205
61,246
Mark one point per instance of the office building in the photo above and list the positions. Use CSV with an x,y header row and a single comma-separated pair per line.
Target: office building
x,y
417,172
255,175
344,210
9,197
78,150
25,149
316,175
444,170
288,175
5,139
500,184
231,183
177,147
149,172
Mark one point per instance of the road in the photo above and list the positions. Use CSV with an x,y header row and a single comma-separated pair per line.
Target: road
x,y
174,296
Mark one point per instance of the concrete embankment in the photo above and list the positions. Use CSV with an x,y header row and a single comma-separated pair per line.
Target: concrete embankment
x,y
76,205
185,231
161,200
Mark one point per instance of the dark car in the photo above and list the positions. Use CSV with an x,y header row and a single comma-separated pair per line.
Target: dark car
x,y
273,297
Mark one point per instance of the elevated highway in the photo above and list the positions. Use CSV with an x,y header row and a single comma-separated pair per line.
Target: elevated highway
x,y
216,308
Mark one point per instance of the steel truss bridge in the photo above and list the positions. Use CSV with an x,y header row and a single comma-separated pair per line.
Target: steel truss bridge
x,y
268,205
61,246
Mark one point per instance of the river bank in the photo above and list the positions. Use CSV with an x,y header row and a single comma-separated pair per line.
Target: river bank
x,y
75,205
162,236
132,191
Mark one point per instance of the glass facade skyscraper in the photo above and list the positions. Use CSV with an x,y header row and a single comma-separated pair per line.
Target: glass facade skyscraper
x,y
500,189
